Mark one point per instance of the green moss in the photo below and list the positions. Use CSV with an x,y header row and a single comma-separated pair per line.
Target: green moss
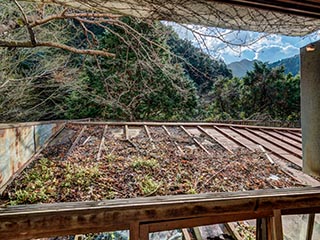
x,y
148,185
139,163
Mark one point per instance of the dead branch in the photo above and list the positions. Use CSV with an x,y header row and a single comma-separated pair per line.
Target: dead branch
x,y
25,19
29,44
71,16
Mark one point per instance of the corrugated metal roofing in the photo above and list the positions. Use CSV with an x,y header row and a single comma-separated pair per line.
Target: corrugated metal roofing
x,y
284,143
95,140
287,17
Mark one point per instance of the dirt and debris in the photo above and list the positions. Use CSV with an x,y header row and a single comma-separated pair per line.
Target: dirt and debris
x,y
139,166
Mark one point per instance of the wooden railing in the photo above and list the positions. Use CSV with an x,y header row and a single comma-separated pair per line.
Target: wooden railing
x,y
144,215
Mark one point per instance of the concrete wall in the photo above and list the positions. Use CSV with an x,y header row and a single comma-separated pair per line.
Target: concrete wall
x,y
19,142
310,106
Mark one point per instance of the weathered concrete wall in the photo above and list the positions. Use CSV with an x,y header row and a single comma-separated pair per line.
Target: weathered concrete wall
x,y
19,142
310,106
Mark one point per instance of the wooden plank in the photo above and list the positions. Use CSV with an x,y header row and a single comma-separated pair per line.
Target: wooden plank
x,y
267,155
148,132
149,136
195,140
59,219
233,231
102,143
215,139
191,124
276,222
74,144
171,139
203,221
126,132
197,233
310,227
186,234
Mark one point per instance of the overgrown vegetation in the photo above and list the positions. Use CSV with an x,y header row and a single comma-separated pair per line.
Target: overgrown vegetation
x,y
154,75
132,172
263,93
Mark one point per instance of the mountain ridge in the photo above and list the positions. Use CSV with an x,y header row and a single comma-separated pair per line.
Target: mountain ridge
x,y
240,68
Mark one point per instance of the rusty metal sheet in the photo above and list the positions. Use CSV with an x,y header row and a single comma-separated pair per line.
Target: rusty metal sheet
x,y
19,144
43,133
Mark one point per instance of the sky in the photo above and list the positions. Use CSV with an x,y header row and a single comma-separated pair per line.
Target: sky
x,y
244,44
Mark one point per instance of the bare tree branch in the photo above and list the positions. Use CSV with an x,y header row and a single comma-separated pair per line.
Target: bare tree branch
x,y
25,19
64,15
29,44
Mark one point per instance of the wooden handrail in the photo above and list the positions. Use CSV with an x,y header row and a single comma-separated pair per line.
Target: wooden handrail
x,y
152,213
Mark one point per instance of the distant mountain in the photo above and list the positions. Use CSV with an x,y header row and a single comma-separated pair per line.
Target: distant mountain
x,y
239,69
291,64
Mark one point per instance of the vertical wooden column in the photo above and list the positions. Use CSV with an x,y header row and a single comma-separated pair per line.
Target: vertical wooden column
x,y
311,219
270,228
263,229
134,230
310,107
139,231
277,225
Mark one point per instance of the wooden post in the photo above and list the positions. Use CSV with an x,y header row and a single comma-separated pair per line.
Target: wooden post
x,y
134,231
310,105
263,229
310,226
144,232
277,225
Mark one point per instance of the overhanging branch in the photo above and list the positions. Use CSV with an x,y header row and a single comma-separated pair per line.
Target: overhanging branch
x,y
29,44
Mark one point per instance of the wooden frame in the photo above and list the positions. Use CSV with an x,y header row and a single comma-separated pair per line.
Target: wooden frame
x,y
144,215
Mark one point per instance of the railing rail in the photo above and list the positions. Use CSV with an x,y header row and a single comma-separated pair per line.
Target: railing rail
x,y
144,215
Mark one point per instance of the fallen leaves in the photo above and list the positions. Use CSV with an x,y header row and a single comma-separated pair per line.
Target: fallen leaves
x,y
140,167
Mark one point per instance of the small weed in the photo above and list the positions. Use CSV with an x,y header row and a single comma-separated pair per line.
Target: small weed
x,y
110,157
149,186
139,163
191,189
34,187
75,175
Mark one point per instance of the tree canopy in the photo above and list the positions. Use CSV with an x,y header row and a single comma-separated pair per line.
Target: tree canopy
x,y
264,92
124,68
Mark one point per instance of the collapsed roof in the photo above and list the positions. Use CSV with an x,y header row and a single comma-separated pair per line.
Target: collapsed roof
x,y
295,18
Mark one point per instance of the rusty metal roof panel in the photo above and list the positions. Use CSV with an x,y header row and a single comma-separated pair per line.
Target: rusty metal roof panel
x,y
223,157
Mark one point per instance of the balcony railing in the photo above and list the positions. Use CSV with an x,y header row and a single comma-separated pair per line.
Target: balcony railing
x,y
144,215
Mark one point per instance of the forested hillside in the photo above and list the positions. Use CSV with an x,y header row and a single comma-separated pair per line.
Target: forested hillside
x,y
240,68
264,93
137,70
291,65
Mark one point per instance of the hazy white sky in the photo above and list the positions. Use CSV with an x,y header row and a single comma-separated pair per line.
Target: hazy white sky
x,y
267,48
